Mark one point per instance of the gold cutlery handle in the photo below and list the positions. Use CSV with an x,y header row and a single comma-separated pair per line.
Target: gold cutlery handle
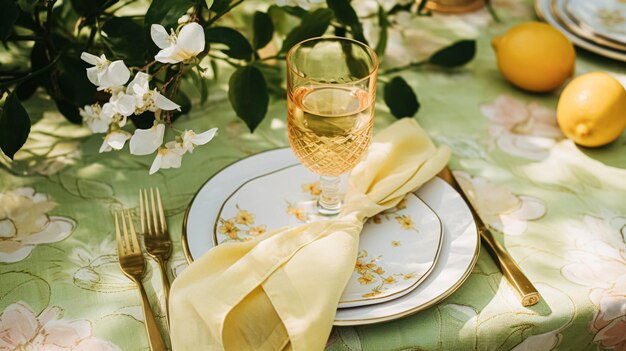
x,y
166,285
510,270
154,335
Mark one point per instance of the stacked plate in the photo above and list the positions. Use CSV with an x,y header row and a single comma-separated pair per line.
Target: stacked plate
x,y
598,26
410,257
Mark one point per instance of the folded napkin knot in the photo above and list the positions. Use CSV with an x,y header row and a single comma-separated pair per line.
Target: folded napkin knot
x,y
281,290
360,207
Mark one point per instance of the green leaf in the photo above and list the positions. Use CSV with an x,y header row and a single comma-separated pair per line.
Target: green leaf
x,y
166,13
8,15
208,3
282,20
69,110
220,6
296,11
383,23
124,37
94,189
346,15
263,30
14,125
74,84
457,54
238,45
247,93
26,288
400,98
313,24
91,7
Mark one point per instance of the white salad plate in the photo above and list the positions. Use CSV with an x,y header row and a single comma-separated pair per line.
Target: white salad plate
x,y
430,239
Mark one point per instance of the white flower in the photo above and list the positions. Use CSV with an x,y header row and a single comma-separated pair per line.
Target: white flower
x,y
119,107
184,19
95,119
25,223
22,329
115,140
525,130
106,74
147,141
191,139
498,206
169,157
174,49
301,3
146,99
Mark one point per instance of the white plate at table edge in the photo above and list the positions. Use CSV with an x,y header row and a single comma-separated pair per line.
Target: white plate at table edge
x,y
546,14
460,241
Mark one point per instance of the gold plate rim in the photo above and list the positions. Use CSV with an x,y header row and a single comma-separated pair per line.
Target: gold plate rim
x,y
351,322
575,39
581,31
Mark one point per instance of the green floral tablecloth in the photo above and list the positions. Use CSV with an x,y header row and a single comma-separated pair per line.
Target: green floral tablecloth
x,y
559,209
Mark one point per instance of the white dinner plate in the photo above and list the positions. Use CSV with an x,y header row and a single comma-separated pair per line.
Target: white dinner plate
x,y
544,10
458,250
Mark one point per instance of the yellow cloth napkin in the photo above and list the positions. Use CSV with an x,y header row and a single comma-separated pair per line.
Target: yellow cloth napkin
x,y
280,290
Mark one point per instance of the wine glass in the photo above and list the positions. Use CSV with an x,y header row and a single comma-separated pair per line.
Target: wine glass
x,y
331,88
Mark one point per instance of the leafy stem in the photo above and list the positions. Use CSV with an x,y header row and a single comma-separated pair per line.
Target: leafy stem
x,y
219,15
33,74
402,68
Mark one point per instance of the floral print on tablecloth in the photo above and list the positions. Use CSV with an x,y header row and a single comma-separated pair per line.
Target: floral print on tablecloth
x,y
599,262
521,129
25,223
498,206
22,329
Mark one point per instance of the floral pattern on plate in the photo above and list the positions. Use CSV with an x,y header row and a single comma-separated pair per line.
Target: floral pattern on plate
x,y
398,260
371,273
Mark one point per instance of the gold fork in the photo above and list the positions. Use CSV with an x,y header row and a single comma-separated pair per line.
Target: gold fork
x,y
155,235
134,266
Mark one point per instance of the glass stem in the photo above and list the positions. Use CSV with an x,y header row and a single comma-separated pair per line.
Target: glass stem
x,y
329,202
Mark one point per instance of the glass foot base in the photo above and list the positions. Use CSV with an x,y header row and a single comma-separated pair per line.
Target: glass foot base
x,y
328,211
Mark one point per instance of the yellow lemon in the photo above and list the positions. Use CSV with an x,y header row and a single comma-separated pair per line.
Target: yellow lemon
x,y
592,109
534,56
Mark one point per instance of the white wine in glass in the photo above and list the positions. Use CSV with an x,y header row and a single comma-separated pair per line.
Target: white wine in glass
x,y
330,102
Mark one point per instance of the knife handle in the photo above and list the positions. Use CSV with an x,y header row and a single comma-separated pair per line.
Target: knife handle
x,y
510,270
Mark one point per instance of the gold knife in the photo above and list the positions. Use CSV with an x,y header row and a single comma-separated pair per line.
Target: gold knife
x,y
511,271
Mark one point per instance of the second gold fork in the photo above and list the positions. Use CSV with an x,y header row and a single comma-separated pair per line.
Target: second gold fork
x,y
156,235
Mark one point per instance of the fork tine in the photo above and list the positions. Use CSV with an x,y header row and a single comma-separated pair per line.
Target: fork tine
x,y
125,229
118,236
147,213
161,213
142,216
154,213
133,233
